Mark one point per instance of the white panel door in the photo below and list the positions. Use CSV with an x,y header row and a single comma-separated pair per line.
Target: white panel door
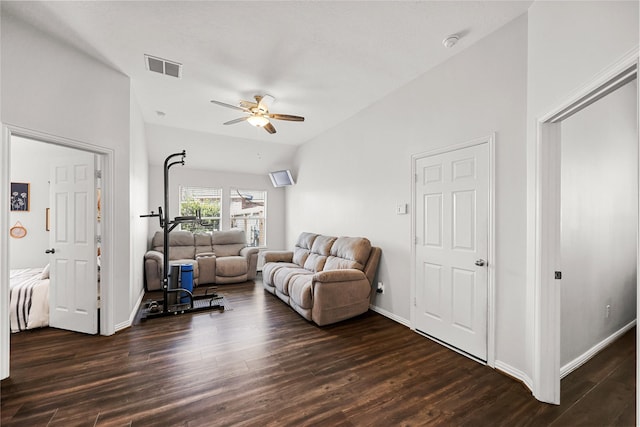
x,y
74,286
452,223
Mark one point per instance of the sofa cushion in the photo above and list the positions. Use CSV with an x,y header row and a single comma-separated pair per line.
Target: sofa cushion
x,y
300,256
231,266
305,240
322,245
348,252
270,268
302,248
300,291
283,276
315,262
228,250
182,244
335,263
182,252
228,243
228,237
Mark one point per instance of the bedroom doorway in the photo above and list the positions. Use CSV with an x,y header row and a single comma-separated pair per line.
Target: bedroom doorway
x,y
59,177
105,227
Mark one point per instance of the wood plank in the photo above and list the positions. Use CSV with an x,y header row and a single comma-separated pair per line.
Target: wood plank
x,y
259,363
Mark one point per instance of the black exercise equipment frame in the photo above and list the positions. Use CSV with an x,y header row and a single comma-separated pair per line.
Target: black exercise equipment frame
x,y
154,309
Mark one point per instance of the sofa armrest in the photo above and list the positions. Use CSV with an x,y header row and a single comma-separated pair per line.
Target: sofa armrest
x,y
154,255
339,295
247,251
153,265
251,254
278,256
342,275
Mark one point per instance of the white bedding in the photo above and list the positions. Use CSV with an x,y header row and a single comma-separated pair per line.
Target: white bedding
x,y
28,299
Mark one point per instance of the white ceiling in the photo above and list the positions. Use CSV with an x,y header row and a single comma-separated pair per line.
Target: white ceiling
x,y
324,60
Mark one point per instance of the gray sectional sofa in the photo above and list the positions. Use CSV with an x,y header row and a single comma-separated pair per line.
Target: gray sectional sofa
x,y
218,258
325,279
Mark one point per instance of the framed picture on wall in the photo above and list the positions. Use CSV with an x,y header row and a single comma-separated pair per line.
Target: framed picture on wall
x,y
20,196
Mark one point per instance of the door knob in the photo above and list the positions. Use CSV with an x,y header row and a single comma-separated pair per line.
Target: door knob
x,y
481,263
50,251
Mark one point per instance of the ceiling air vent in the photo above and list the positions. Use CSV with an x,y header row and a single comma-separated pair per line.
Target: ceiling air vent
x,y
163,66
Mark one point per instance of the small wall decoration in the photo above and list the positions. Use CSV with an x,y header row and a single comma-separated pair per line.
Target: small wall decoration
x,y
20,196
18,231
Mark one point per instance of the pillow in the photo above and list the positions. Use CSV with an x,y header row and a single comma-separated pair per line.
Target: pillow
x,y
45,273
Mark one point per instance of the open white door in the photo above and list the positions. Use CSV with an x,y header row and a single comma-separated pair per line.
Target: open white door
x,y
452,223
74,287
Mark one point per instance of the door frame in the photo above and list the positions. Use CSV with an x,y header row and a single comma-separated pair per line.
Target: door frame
x,y
107,227
491,270
544,232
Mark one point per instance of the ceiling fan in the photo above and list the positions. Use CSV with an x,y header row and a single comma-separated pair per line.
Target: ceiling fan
x,y
259,114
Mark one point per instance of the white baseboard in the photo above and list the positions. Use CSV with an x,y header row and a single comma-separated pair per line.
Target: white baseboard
x,y
584,358
132,315
515,373
391,316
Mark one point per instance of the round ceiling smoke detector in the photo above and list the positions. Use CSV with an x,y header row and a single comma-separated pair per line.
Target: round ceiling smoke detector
x,y
450,41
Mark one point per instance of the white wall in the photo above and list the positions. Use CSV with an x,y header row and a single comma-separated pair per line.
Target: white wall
x,y
599,221
138,188
52,88
30,162
183,175
569,44
212,152
351,178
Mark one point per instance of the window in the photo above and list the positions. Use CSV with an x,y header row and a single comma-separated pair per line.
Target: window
x,y
248,211
208,201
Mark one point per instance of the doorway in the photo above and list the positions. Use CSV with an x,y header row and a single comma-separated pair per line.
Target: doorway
x,y
599,221
62,221
106,226
546,258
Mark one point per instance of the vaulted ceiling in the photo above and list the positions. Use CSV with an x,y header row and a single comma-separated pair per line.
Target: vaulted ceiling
x,y
324,60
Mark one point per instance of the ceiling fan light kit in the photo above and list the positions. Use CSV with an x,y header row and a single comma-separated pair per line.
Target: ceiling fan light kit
x,y
258,113
258,121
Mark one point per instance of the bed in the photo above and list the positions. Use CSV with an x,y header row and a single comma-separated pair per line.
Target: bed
x,y
29,298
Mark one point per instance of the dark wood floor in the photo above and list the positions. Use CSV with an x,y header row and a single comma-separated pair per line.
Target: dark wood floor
x,y
260,364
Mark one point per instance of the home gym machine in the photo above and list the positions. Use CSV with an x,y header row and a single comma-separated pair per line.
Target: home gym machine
x,y
176,299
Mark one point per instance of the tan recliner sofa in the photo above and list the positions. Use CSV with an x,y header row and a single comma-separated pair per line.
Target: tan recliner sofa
x,y
325,279
217,258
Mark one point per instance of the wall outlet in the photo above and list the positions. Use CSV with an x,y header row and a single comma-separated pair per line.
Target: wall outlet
x,y
380,289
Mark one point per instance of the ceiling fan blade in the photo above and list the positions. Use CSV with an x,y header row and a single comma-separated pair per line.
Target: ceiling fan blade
x,y
288,117
234,121
269,128
265,102
235,107
248,104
